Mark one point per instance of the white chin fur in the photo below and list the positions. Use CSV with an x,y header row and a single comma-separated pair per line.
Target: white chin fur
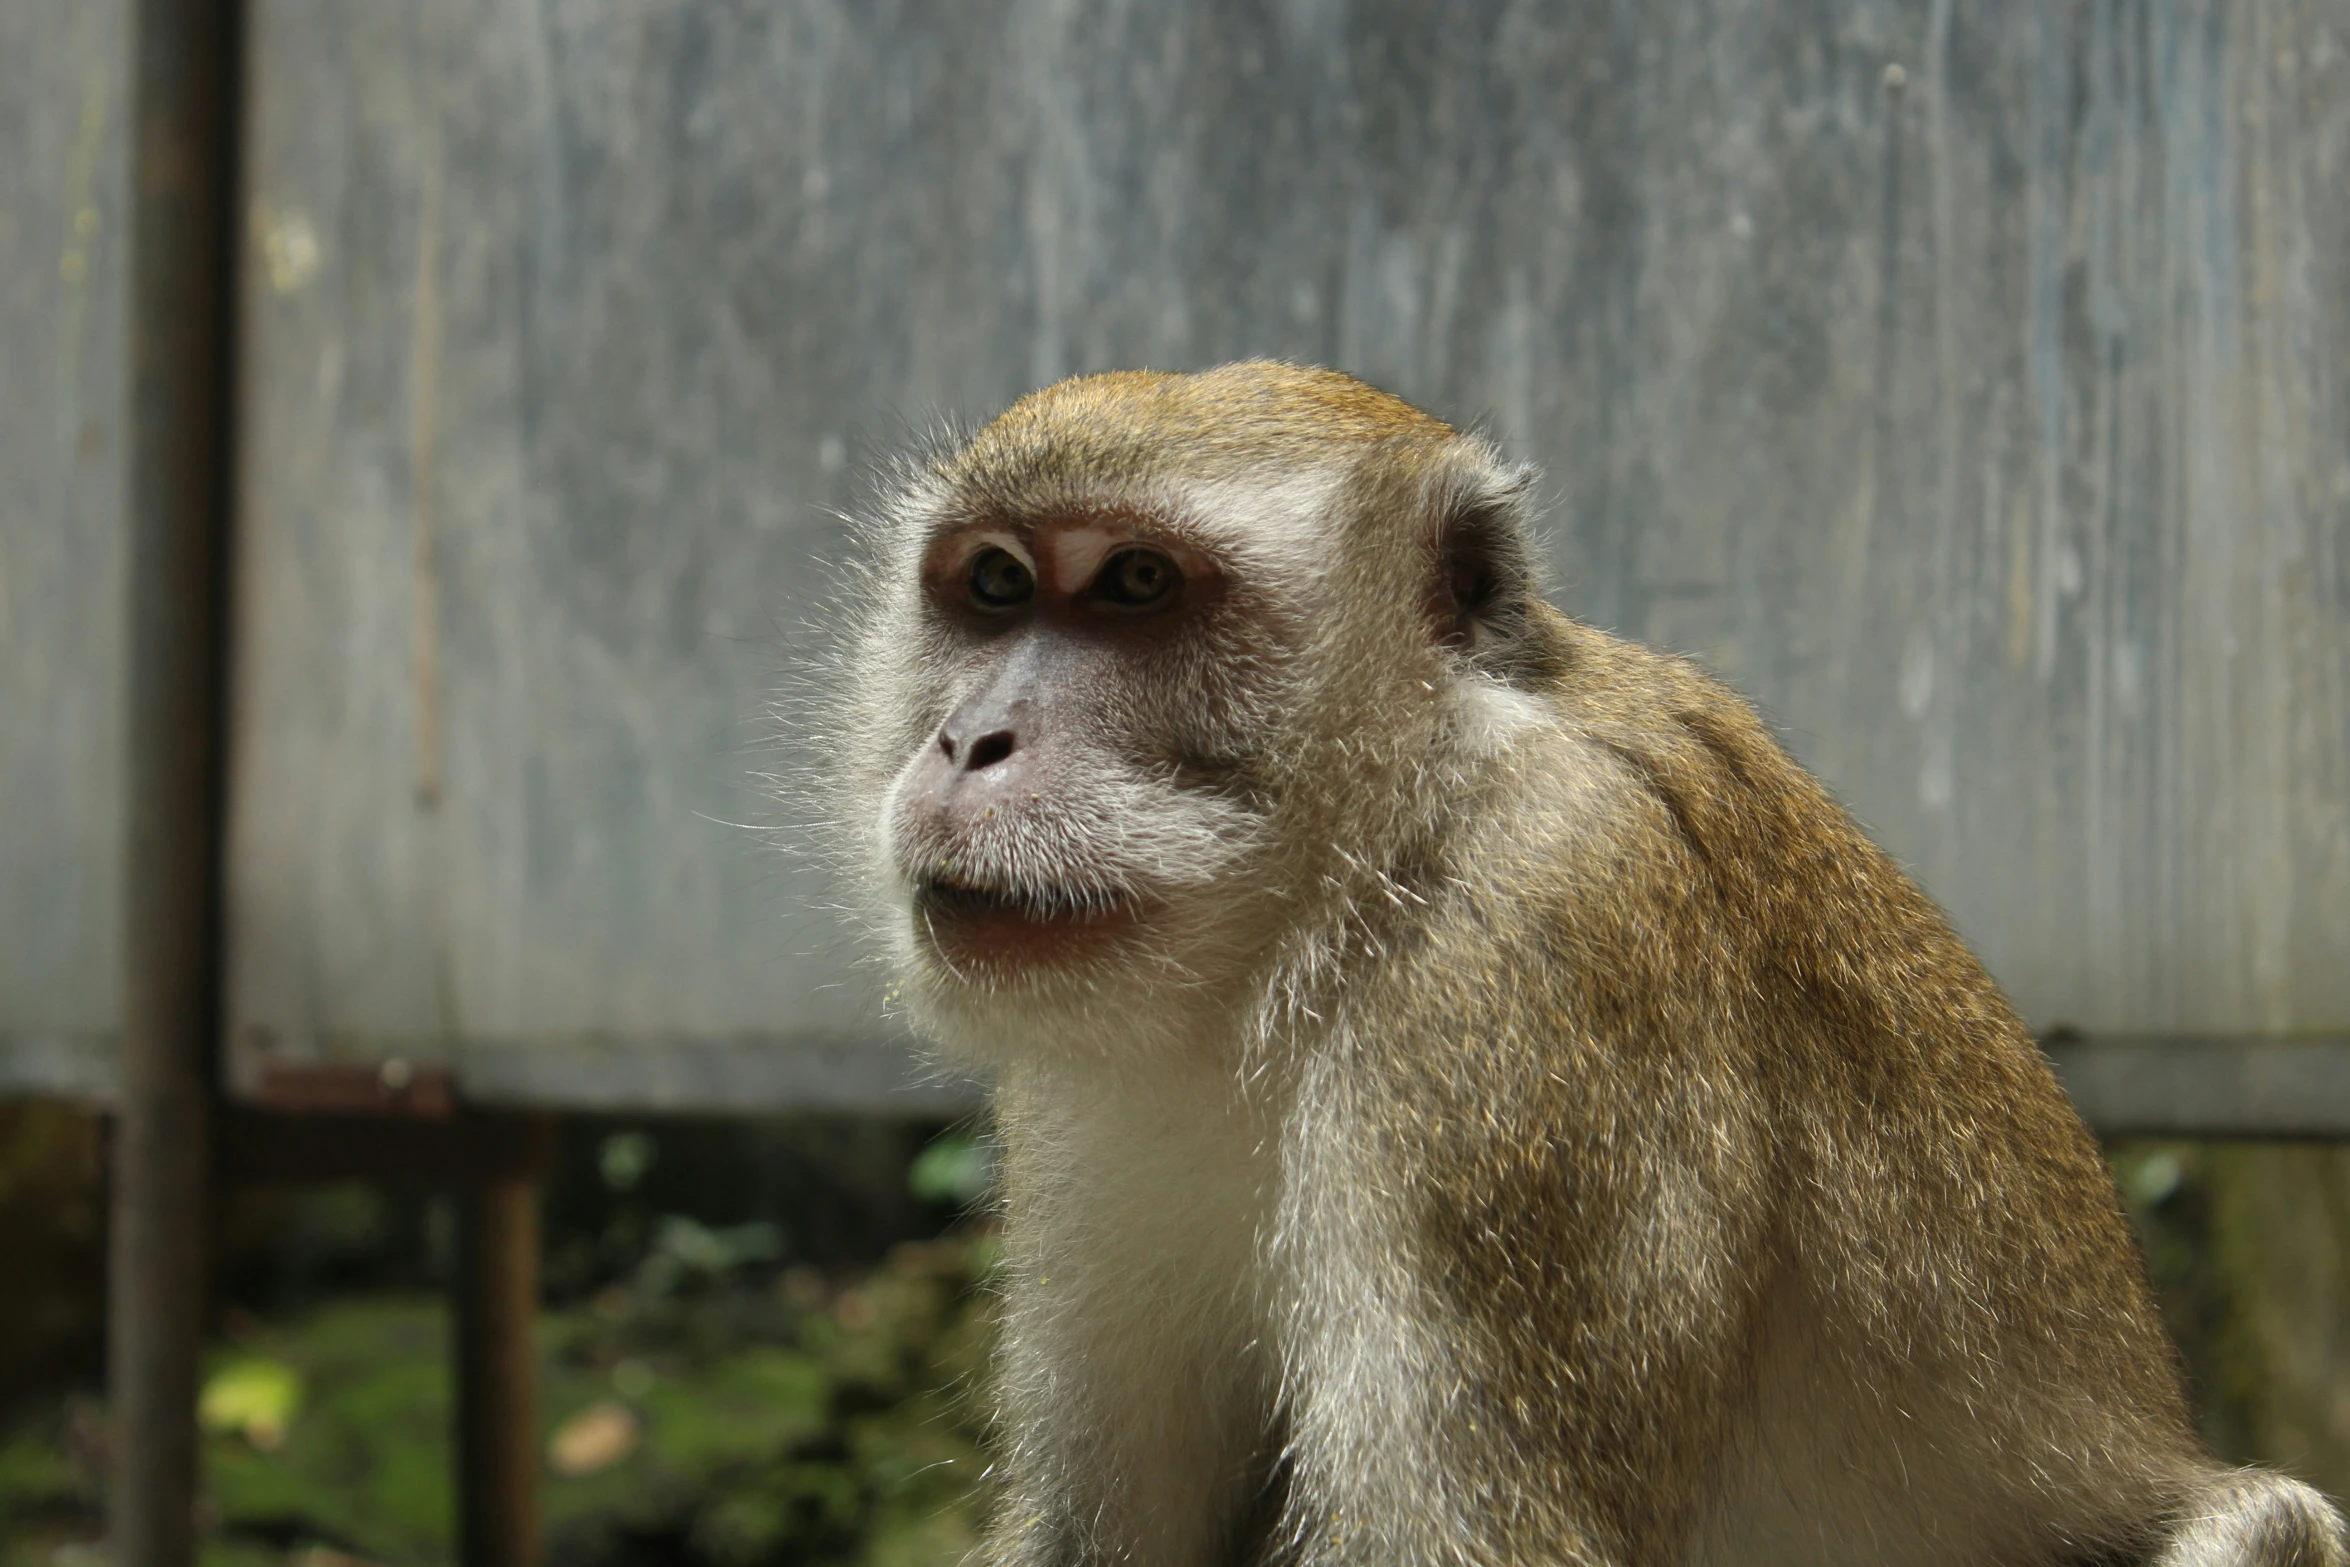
x,y
1176,984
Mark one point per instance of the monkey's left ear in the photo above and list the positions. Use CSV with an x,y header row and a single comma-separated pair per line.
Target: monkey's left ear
x,y
1485,581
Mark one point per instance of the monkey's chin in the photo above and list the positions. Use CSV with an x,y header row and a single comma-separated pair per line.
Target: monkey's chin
x,y
992,938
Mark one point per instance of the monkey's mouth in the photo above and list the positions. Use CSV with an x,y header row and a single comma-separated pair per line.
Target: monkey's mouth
x,y
946,895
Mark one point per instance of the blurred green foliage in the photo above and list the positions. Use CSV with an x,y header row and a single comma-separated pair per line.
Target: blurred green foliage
x,y
53,1235
957,1170
2248,1245
814,1418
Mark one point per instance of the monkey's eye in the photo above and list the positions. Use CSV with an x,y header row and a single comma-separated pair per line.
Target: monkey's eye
x,y
1137,579
1000,579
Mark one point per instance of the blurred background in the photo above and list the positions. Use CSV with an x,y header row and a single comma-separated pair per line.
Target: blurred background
x,y
1965,384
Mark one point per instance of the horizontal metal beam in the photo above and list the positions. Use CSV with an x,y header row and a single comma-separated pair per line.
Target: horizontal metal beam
x,y
264,1146
2234,1085
651,1071
737,1074
2207,1085
712,1076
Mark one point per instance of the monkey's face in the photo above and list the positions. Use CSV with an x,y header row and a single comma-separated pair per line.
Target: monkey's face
x,y
1082,801
1158,672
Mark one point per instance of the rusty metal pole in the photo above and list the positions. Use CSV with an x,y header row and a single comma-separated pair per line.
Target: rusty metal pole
x,y
497,1288
183,177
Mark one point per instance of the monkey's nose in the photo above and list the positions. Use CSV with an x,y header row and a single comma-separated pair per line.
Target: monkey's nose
x,y
980,754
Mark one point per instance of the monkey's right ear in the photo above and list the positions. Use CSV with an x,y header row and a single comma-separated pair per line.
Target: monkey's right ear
x,y
1485,572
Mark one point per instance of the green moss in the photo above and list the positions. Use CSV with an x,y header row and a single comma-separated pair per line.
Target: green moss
x,y
363,1465
819,1420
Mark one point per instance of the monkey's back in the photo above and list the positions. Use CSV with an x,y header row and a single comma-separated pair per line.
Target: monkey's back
x,y
1761,1175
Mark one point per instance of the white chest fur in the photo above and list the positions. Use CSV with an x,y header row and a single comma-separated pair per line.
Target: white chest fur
x,y
1138,1358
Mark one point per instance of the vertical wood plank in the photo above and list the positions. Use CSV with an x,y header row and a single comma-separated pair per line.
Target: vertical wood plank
x,y
183,183
65,69
497,1289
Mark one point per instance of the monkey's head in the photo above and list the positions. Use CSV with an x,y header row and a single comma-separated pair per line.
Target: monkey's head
x,y
1160,672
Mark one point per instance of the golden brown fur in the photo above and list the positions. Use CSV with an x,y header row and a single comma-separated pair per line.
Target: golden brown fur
x,y
1528,1121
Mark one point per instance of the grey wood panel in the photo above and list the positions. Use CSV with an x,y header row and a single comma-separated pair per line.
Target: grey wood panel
x,y
63,167
1964,383
2168,1086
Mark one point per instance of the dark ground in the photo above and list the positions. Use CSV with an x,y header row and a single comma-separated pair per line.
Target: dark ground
x,y
761,1337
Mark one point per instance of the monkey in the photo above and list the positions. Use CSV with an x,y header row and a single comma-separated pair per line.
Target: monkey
x,y
1465,1095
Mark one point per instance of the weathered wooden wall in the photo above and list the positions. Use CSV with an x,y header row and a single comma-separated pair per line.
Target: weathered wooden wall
x,y
63,67
1966,383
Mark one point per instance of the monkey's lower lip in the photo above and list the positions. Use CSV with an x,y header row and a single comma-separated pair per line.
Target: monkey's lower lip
x,y
1000,932
946,896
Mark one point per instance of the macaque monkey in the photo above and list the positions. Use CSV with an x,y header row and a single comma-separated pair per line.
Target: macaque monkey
x,y
1466,1096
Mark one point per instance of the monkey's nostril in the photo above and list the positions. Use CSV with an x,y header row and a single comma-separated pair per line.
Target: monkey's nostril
x,y
946,743
988,750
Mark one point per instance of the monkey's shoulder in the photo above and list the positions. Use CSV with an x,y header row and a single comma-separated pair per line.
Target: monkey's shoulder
x,y
1650,855
1680,783
1643,776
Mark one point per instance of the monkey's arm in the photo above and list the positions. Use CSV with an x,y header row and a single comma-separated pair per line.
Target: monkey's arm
x,y
1540,1189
